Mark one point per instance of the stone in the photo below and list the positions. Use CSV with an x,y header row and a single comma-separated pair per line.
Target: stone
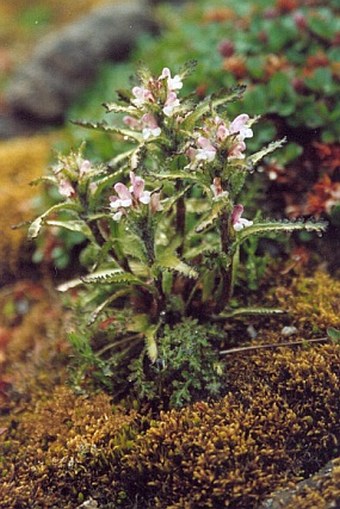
x,y
64,63
323,485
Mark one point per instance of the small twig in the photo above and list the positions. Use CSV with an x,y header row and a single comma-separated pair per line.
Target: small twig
x,y
272,345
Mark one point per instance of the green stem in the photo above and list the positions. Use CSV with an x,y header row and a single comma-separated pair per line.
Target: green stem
x,y
123,263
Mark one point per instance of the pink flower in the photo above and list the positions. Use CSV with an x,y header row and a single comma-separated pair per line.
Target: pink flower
x,y
174,83
147,124
207,151
171,103
236,150
66,189
124,198
217,189
84,168
128,197
142,95
132,122
137,189
237,221
150,126
240,127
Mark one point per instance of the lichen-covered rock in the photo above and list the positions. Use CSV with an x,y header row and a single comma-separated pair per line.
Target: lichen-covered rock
x,y
321,491
21,161
65,62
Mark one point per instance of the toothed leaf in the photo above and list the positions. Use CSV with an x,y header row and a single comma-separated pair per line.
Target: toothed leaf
x,y
104,126
168,260
255,158
277,226
216,210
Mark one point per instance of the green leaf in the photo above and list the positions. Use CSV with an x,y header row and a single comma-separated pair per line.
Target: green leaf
x,y
222,97
38,223
73,283
117,108
111,276
216,210
255,158
333,334
151,343
168,260
96,312
277,226
104,126
73,226
247,311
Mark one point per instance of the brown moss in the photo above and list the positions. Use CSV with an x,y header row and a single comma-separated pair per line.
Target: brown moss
x,y
62,447
313,301
21,161
278,423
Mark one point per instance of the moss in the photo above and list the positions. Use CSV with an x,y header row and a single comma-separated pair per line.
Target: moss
x,y
278,423
62,447
21,161
313,301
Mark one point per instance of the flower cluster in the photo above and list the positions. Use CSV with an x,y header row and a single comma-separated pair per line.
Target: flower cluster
x,y
129,197
218,134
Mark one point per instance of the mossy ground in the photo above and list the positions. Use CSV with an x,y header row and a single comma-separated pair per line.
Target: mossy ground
x,y
277,424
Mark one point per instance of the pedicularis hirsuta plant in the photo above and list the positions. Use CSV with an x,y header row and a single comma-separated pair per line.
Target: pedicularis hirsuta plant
x,y
162,218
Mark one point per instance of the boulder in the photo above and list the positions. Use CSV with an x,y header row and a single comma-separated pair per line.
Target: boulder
x,y
64,63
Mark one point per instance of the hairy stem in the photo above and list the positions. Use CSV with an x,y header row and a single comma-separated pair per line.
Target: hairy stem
x,y
226,272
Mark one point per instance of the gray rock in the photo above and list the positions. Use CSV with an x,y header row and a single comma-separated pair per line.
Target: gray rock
x,y
65,62
315,483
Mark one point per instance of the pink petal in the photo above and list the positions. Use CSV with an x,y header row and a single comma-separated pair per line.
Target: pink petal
x,y
122,191
236,213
